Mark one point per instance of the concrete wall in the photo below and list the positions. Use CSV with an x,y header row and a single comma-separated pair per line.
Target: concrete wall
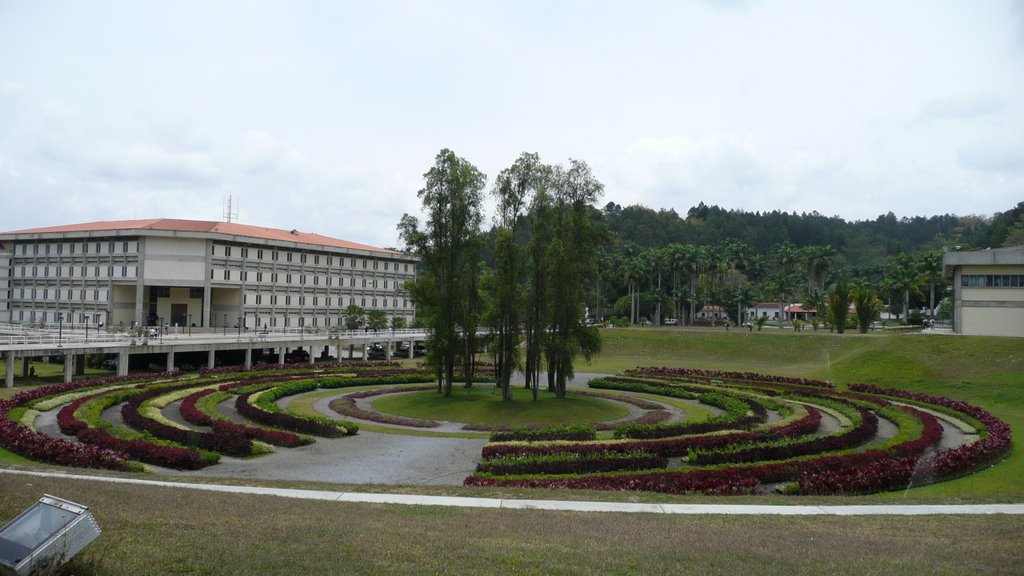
x,y
124,305
990,311
175,261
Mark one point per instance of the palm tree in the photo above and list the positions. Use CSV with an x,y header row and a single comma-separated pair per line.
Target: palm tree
x,y
817,260
814,299
839,304
866,304
902,278
929,265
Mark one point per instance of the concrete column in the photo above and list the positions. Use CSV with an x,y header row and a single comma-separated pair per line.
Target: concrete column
x,y
412,347
280,356
9,376
170,360
351,351
122,363
311,358
140,291
69,367
387,350
248,358
211,360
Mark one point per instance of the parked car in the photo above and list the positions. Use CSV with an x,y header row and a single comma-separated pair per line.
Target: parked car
x,y
296,356
375,352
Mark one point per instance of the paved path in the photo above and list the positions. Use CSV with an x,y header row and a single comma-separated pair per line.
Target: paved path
x,y
564,505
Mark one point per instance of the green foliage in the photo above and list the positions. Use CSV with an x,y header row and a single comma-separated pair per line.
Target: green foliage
x,y
355,316
839,305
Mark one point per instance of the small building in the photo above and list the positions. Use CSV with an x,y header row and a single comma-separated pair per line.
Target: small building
x,y
800,312
709,312
988,291
768,310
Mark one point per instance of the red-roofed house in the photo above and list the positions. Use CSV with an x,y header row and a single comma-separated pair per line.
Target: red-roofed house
x,y
194,272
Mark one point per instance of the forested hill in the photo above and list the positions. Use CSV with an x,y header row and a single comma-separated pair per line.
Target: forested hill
x,y
860,242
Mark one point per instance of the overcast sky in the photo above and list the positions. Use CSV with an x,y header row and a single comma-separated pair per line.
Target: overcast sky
x,y
323,116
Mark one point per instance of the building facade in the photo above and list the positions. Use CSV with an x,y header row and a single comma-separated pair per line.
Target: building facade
x,y
988,291
194,273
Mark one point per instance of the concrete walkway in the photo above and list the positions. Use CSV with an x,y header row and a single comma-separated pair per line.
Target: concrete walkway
x,y
563,505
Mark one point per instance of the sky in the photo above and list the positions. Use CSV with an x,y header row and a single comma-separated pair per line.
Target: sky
x,y
324,116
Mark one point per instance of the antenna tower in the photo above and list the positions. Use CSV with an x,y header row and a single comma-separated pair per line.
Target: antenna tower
x,y
229,215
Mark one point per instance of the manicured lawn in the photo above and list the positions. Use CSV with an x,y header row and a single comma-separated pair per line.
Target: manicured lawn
x,y
154,530
484,406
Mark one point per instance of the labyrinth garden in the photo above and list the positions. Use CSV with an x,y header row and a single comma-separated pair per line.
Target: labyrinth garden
x,y
687,431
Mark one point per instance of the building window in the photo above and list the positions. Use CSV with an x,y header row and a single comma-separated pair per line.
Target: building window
x,y
227,274
273,255
992,280
330,261
124,271
288,300
227,251
288,279
124,247
352,262
195,292
110,247
245,252
259,299
289,256
302,278
273,299
213,250
364,264
259,254
259,276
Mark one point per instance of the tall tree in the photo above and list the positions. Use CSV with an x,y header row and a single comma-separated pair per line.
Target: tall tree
x,y
449,246
903,280
512,189
929,266
570,257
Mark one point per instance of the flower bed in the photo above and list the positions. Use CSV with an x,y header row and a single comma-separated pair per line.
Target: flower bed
x,y
572,463
541,434
286,421
26,442
346,406
192,414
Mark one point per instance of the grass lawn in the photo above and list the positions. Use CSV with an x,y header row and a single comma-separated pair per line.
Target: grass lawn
x,y
484,406
156,530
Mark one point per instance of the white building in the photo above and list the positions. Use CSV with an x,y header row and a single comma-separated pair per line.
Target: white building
x,y
988,288
187,272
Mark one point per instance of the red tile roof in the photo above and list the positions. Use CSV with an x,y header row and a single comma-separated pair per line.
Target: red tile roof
x,y
227,228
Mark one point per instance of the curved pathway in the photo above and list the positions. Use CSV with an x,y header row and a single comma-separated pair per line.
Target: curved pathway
x,y
563,505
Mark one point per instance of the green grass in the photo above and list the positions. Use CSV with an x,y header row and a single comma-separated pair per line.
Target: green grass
x,y
484,406
170,531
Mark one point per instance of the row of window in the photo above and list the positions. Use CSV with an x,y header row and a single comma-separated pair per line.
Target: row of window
x,y
69,271
992,280
304,258
292,321
72,317
83,247
301,279
328,301
95,295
